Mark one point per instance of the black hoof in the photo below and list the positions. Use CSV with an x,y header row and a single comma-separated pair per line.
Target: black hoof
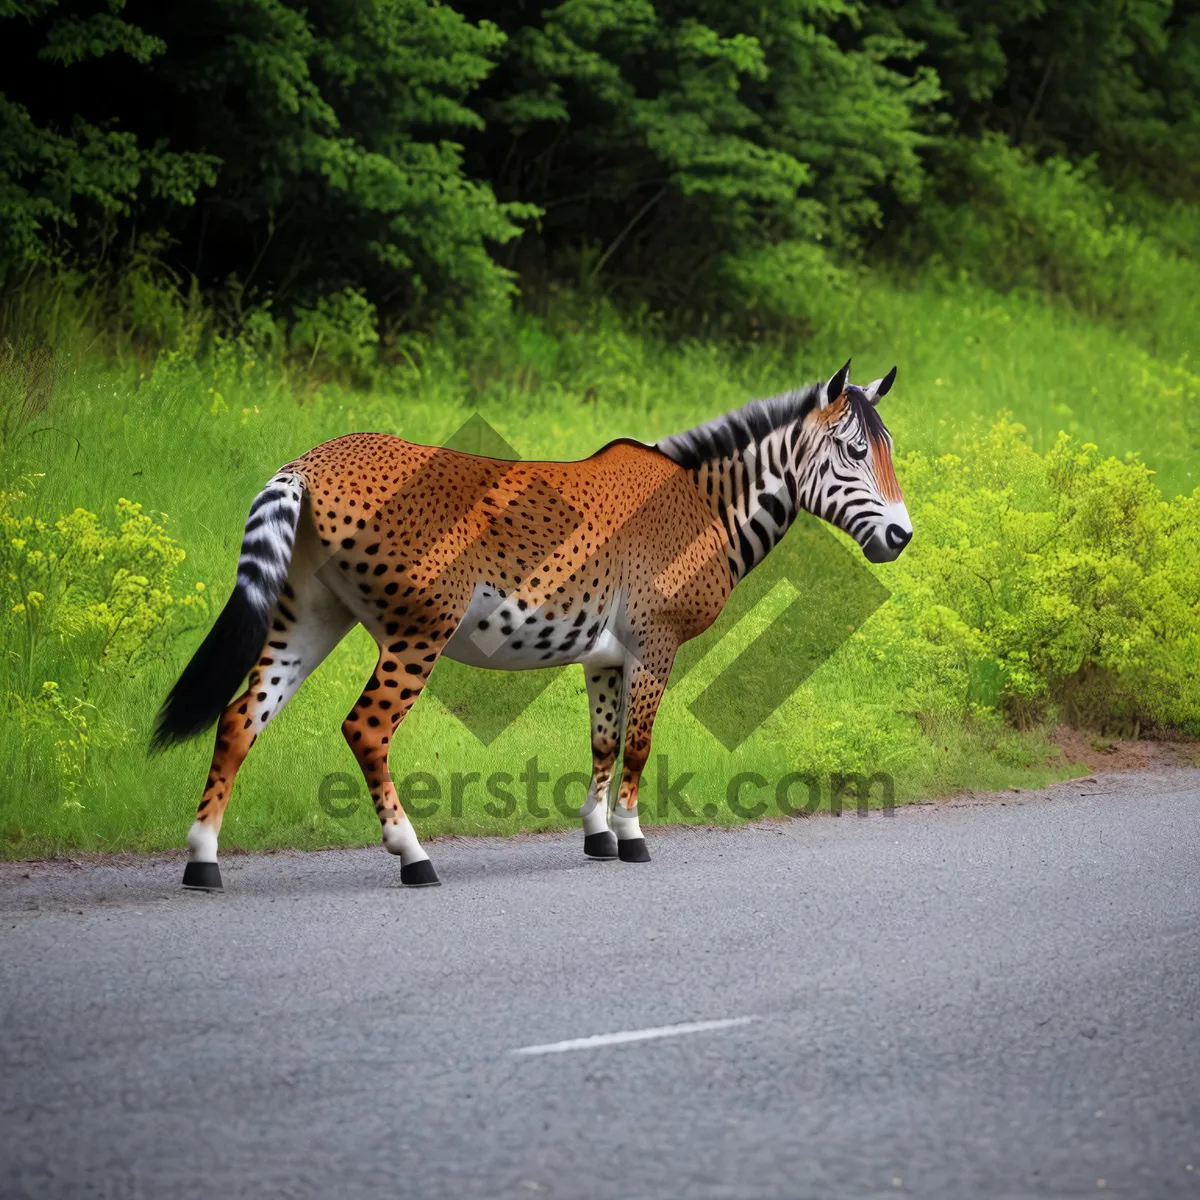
x,y
419,874
600,845
202,877
633,850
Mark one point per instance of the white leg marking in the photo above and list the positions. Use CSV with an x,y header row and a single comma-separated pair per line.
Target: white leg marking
x,y
625,823
634,1035
594,811
202,843
400,838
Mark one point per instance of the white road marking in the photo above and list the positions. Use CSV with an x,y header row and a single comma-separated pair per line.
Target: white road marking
x,y
634,1035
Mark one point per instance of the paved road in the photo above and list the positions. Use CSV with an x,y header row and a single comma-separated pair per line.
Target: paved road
x,y
968,1000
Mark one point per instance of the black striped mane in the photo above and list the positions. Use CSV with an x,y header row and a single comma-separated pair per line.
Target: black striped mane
x,y
723,436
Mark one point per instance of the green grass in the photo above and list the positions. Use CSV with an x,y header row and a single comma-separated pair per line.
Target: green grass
x,y
198,444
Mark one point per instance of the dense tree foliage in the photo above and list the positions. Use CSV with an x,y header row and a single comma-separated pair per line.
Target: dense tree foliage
x,y
428,154
302,149
666,137
1115,78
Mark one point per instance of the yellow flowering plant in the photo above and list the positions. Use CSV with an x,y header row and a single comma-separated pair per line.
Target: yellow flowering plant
x,y
80,596
1062,579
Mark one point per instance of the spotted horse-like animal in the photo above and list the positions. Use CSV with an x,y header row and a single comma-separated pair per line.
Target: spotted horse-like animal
x,y
611,562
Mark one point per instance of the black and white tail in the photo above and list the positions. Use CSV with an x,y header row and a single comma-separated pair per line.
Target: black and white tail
x,y
234,643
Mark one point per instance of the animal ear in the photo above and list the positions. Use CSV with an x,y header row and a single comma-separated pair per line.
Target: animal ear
x,y
881,387
835,387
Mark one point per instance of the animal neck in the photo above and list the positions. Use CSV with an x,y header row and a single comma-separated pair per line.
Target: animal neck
x,y
750,467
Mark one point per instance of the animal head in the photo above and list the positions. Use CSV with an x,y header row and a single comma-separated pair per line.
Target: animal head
x,y
849,479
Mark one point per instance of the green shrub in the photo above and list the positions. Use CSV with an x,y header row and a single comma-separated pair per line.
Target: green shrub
x,y
1038,581
1054,229
798,286
79,599
342,329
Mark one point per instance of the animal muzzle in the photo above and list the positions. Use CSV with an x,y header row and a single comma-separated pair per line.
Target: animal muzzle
x,y
890,537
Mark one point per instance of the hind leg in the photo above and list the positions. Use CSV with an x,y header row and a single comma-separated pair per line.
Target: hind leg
x,y
399,678
306,622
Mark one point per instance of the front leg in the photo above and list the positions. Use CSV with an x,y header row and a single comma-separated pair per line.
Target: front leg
x,y
647,682
605,691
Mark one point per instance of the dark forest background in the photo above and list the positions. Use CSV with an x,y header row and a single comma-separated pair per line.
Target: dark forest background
x,y
390,162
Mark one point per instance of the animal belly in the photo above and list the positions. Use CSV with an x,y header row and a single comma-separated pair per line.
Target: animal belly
x,y
496,633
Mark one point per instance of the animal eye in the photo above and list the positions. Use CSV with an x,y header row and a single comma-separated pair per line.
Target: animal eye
x,y
857,451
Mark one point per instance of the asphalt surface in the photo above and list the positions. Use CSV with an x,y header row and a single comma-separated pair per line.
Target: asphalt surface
x,y
961,1000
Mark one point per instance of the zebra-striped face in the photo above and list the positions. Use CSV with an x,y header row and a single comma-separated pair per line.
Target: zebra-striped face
x,y
850,481
822,448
